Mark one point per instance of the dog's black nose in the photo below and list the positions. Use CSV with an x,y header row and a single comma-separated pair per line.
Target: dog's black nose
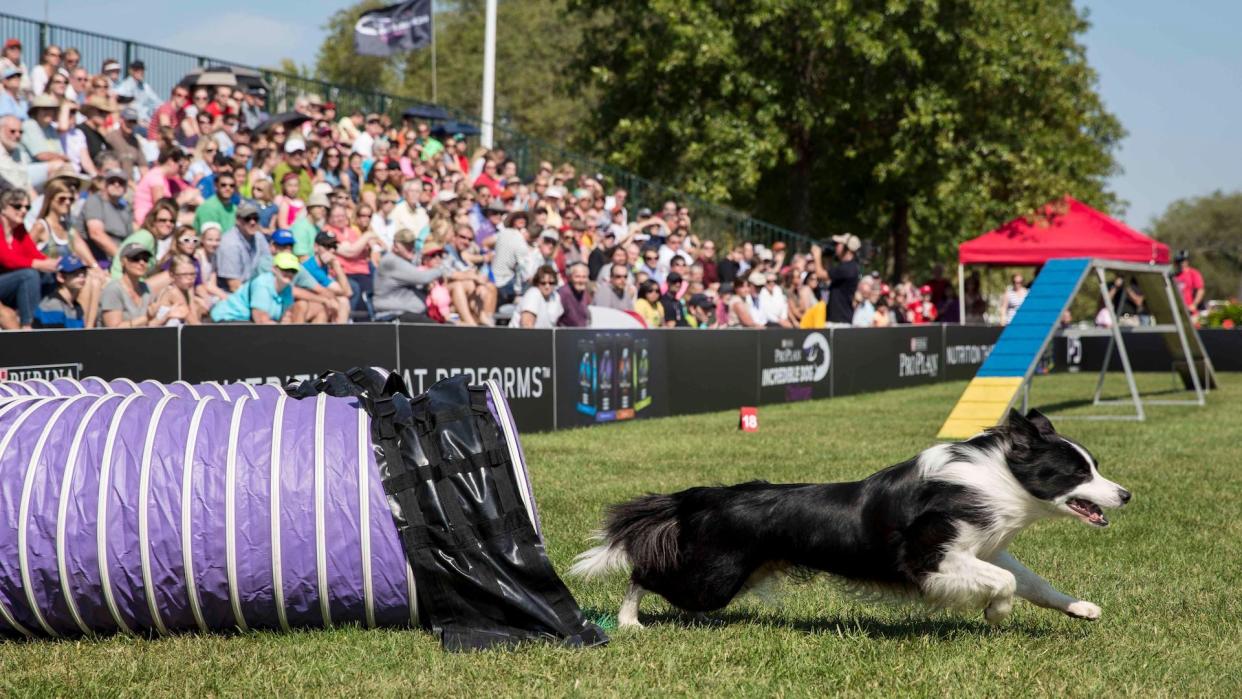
x,y
1125,496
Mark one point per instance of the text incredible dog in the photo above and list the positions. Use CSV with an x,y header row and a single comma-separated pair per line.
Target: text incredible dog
x,y
934,528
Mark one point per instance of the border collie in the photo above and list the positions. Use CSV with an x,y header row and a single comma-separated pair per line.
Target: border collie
x,y
933,528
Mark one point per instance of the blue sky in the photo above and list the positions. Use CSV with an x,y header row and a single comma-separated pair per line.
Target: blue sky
x,y
1171,71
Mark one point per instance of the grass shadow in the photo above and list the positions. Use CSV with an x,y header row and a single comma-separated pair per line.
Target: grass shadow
x,y
870,627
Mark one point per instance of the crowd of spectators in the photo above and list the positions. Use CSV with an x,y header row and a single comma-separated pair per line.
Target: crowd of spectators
x,y
122,208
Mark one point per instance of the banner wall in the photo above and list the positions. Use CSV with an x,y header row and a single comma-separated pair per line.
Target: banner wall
x,y
568,377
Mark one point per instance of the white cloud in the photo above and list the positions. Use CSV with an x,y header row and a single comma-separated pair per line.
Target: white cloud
x,y
246,38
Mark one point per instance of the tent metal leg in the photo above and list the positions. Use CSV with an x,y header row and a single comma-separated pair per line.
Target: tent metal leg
x,y
1121,345
1108,362
961,294
1175,304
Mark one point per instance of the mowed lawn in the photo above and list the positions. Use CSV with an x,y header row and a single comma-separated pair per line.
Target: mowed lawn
x,y
1166,573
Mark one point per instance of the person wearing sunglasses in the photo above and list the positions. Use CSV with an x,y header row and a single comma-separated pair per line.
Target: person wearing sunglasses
x,y
651,265
49,67
540,306
158,226
221,206
326,269
244,250
126,301
20,260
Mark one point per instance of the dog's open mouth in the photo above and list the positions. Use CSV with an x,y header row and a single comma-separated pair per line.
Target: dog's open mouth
x,y
1088,511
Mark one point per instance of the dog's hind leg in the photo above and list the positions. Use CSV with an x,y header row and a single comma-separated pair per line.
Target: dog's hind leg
x,y
627,617
1038,591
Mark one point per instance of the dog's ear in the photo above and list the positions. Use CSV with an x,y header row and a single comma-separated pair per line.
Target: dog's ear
x,y
1022,430
1041,422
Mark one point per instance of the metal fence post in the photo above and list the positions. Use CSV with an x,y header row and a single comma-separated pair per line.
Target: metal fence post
x,y
45,32
129,56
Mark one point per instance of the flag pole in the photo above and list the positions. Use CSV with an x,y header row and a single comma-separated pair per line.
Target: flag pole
x,y
489,75
435,97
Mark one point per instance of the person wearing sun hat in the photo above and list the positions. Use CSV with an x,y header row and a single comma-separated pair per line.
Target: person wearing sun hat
x,y
266,299
41,139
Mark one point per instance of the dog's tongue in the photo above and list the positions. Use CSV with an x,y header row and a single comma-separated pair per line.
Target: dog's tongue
x,y
1089,511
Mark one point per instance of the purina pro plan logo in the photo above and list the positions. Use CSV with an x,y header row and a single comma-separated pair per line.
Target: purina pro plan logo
x,y
918,361
46,372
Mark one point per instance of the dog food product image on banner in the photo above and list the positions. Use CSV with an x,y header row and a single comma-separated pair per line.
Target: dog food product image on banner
x,y
149,509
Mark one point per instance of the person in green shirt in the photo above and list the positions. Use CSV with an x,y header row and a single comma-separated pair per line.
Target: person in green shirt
x,y
219,207
309,224
159,224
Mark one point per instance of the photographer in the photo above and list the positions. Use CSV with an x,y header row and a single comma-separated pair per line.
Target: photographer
x,y
842,279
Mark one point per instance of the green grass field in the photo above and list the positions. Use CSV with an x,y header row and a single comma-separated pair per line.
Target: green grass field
x,y
1165,573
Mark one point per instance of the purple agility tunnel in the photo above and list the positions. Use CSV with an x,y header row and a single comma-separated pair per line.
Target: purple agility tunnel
x,y
150,509
97,386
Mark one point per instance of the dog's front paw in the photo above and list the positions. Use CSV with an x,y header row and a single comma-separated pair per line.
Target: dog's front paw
x,y
1082,609
998,610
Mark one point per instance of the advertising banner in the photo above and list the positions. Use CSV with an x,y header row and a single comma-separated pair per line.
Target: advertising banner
x,y
712,370
965,348
134,353
520,361
876,359
610,376
794,365
282,353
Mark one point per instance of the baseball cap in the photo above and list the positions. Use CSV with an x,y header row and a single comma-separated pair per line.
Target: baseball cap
x,y
10,72
245,209
550,234
10,43
134,251
1181,256
446,195
281,236
138,64
849,240
294,145
925,289
318,199
764,254
702,301
286,261
756,278
405,236
129,114
210,224
69,264
115,175
644,213
111,64
326,238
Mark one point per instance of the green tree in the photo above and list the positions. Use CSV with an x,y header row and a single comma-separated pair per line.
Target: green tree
x,y
1210,228
915,123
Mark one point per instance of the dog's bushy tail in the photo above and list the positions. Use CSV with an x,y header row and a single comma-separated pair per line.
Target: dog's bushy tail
x,y
641,533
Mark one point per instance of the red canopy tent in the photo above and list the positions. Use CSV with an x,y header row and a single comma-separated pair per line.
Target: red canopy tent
x,y
1069,228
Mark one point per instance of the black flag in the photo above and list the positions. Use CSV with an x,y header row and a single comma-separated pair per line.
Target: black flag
x,y
393,29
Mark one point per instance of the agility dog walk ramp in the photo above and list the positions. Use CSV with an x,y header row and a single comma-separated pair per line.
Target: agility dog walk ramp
x,y
1016,354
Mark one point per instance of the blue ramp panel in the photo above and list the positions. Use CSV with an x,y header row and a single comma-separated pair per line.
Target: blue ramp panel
x,y
1015,353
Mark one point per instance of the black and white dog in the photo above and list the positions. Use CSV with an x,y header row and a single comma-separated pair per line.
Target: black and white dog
x,y
934,528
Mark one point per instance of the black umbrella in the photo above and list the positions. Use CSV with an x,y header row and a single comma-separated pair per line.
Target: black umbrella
x,y
224,75
450,128
288,119
430,112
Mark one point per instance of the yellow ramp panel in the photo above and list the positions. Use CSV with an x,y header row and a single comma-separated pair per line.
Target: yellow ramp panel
x,y
982,405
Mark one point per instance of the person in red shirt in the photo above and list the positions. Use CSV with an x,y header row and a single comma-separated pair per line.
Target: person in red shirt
x,y
20,260
168,114
1189,282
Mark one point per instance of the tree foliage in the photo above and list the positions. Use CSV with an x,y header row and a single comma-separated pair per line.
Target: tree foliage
x,y
915,123
1210,228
